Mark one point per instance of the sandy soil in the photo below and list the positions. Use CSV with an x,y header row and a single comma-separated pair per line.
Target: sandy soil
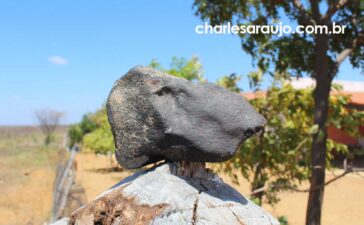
x,y
26,189
27,172
343,200
94,175
27,202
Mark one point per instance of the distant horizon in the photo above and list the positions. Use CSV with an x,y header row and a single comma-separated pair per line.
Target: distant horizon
x,y
69,124
30,125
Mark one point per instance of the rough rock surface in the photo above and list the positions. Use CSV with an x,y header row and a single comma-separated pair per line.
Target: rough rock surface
x,y
156,116
172,194
63,221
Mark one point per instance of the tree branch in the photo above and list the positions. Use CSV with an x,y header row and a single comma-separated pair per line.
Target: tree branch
x,y
344,173
346,52
315,10
306,18
299,6
334,8
342,56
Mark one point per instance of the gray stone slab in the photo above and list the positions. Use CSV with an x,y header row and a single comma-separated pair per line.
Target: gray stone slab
x,y
163,196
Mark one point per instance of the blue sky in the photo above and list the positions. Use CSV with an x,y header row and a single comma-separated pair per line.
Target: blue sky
x,y
66,55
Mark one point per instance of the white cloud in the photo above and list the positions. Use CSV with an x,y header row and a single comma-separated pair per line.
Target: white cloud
x,y
58,60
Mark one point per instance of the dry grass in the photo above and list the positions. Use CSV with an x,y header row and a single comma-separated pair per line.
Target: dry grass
x,y
27,171
343,201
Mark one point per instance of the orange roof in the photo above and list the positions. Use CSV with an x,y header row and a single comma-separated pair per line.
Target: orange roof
x,y
340,136
253,95
356,98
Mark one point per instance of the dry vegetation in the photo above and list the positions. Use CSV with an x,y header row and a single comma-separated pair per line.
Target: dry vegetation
x,y
27,172
26,175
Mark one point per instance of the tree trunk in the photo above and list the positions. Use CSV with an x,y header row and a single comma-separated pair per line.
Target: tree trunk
x,y
318,155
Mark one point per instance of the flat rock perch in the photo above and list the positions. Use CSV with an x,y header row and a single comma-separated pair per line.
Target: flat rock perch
x,y
173,193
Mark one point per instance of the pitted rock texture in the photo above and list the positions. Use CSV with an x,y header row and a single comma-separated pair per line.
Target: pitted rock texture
x,y
155,116
159,196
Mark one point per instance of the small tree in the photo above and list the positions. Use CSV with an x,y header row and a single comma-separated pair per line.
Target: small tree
x,y
191,69
277,159
48,120
77,131
230,82
99,139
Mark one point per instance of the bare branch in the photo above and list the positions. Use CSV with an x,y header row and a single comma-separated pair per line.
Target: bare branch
x,y
258,190
346,171
346,52
339,4
342,56
48,122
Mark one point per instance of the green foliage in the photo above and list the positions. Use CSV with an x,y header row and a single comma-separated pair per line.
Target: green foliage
x,y
255,80
283,220
349,118
87,124
93,133
316,55
100,139
256,200
278,159
77,131
75,135
230,82
180,67
294,52
48,139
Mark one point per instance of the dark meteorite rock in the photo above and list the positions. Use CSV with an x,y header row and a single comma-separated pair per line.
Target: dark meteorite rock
x,y
157,116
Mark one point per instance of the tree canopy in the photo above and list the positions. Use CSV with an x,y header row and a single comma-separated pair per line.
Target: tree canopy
x,y
318,55
278,159
294,53
93,133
